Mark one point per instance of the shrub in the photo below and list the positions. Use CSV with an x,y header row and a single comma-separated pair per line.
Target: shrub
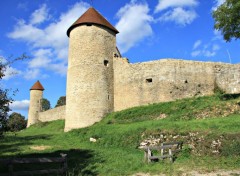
x,y
16,122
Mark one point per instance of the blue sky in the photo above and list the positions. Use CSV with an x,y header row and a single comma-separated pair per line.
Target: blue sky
x,y
149,30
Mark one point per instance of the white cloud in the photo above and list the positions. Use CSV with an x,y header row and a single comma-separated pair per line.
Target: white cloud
x,y
32,74
58,68
40,15
209,53
164,4
26,32
196,53
179,15
207,50
3,60
49,44
217,35
133,25
197,44
41,58
19,105
215,47
181,12
9,72
22,6
217,3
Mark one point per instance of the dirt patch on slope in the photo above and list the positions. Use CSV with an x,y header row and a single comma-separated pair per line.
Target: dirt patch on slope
x,y
40,147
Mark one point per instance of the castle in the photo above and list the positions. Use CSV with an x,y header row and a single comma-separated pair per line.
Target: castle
x,y
100,81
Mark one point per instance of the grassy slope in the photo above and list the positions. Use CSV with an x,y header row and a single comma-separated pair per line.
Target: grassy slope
x,y
119,134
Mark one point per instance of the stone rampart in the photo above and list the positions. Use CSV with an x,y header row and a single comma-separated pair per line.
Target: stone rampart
x,y
228,77
52,114
170,79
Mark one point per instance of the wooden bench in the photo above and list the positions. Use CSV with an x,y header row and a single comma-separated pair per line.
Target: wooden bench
x,y
10,164
165,150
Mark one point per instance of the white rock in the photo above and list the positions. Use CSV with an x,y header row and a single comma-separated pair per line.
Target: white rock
x,y
93,140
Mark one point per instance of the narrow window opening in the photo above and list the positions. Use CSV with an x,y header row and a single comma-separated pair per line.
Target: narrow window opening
x,y
105,62
108,97
149,80
186,81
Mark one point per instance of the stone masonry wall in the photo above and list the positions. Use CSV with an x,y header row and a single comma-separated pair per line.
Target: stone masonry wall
x,y
170,79
228,77
52,114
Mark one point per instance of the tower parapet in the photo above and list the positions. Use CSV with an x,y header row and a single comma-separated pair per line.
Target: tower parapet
x,y
36,95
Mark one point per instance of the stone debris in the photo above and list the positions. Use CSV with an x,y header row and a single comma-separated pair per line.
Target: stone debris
x,y
197,142
92,140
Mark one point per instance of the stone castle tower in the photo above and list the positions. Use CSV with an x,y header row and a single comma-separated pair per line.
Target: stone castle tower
x,y
92,42
36,95
100,81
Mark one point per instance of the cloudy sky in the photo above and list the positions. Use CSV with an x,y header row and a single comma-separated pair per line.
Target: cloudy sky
x,y
149,30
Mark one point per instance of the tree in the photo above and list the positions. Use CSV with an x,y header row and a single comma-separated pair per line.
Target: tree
x,y
5,99
16,122
227,19
45,104
61,101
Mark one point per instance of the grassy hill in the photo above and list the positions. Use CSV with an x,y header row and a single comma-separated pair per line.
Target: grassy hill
x,y
208,126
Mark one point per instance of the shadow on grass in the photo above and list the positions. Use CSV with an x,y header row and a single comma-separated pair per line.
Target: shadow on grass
x,y
12,144
80,162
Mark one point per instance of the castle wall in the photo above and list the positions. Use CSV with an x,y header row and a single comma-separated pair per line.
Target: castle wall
x,y
90,75
52,114
228,77
169,79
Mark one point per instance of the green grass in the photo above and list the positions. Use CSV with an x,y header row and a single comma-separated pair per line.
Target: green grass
x,y
119,134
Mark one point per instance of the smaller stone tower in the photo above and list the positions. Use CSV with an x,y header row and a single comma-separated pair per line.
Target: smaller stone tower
x,y
36,95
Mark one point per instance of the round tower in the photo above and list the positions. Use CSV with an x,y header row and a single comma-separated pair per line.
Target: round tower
x,y
92,41
36,95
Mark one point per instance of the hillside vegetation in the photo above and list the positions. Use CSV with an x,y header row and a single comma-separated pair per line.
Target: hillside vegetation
x,y
208,126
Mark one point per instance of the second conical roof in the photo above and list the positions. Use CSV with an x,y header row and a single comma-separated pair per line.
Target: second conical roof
x,y
37,86
94,17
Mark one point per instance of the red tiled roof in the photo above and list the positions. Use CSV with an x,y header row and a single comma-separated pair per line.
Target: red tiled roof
x,y
37,86
94,17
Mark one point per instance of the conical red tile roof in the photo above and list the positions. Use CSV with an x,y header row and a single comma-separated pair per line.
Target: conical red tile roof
x,y
91,16
37,86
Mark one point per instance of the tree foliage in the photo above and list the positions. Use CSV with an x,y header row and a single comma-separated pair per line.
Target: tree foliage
x,y
16,122
5,99
227,19
61,101
45,104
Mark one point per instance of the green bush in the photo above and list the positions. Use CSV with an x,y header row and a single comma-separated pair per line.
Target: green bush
x,y
16,122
